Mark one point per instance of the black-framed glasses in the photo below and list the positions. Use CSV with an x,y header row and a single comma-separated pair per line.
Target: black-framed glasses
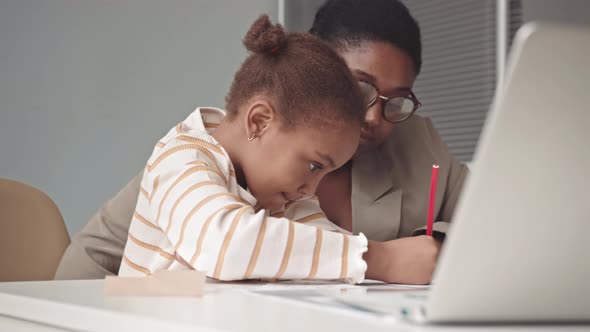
x,y
395,109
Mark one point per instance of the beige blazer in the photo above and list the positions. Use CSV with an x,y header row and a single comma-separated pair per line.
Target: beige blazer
x,y
390,186
390,189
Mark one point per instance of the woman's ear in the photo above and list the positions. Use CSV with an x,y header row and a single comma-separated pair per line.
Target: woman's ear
x,y
259,116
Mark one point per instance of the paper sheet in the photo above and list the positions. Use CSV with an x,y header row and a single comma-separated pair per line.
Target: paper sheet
x,y
161,283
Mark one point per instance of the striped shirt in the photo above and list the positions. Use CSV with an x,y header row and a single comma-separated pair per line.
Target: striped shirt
x,y
192,214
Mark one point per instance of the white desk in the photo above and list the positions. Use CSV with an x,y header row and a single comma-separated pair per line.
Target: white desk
x,y
19,325
81,305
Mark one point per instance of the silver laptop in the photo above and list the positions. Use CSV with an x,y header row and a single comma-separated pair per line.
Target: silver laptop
x,y
519,245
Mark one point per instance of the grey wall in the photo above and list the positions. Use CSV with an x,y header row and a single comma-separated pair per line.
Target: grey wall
x,y
564,11
88,86
299,14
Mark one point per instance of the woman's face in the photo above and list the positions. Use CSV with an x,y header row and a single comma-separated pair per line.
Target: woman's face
x,y
391,71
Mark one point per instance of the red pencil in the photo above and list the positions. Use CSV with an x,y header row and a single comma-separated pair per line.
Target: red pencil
x,y
432,200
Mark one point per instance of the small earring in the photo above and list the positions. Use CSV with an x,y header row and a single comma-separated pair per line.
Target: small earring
x,y
251,137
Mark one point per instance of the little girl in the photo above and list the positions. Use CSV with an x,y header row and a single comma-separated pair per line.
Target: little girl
x,y
231,193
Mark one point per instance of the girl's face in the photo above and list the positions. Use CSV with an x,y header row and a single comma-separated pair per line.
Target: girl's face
x,y
390,70
285,164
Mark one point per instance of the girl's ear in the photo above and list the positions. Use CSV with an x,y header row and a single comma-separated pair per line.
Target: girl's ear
x,y
259,117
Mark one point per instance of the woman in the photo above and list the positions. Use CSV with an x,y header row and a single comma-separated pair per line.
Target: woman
x,y
382,192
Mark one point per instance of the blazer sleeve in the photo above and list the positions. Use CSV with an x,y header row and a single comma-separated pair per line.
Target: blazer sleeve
x,y
96,251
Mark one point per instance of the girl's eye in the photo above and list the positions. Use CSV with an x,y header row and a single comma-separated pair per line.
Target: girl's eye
x,y
314,167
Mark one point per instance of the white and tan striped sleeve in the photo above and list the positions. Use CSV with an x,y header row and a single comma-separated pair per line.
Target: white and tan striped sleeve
x,y
215,231
309,212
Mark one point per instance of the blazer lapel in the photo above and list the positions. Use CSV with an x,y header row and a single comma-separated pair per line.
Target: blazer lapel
x,y
376,203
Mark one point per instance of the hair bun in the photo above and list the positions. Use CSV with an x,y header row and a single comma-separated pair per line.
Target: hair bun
x,y
265,37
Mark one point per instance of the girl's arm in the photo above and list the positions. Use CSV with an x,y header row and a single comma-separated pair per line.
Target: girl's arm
x,y
214,230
